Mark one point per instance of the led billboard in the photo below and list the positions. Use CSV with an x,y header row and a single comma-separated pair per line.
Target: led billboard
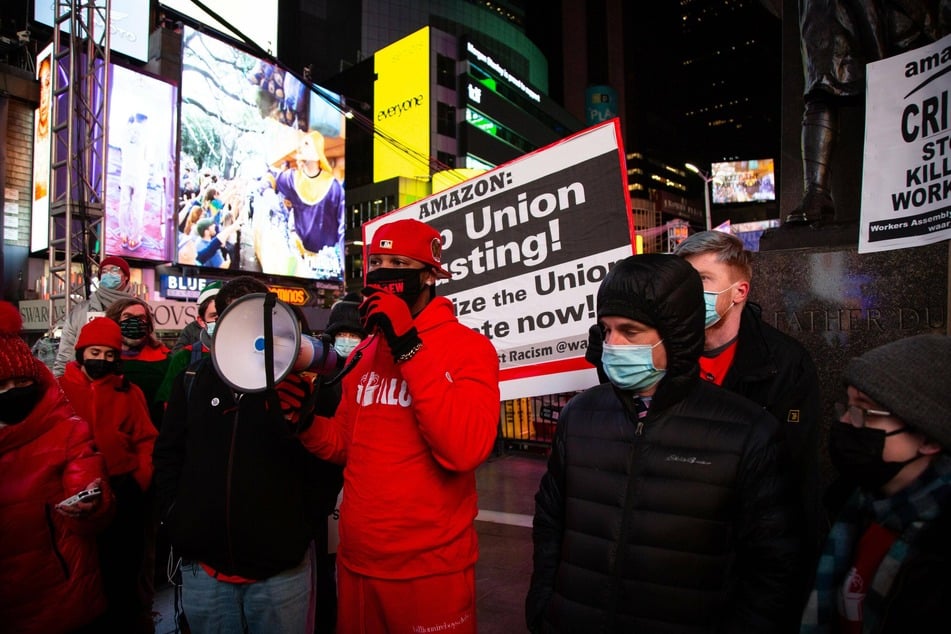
x,y
42,145
128,24
261,167
402,101
254,19
140,163
743,181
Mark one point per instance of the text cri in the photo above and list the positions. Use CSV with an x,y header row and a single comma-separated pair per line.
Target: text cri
x,y
850,319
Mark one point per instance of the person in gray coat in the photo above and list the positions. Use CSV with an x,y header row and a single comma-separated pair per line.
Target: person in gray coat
x,y
114,274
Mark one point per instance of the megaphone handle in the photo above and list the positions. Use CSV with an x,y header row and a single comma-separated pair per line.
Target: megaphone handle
x,y
308,407
269,303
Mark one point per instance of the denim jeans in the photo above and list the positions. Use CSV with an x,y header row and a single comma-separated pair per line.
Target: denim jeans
x,y
281,604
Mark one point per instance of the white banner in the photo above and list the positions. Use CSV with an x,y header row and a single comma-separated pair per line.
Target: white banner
x,y
528,244
167,315
906,182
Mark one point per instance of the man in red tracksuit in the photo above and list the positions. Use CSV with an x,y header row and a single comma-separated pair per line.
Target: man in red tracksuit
x,y
419,413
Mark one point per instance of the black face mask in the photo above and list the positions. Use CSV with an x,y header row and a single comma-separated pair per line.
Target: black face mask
x,y
856,452
98,368
404,283
133,328
16,403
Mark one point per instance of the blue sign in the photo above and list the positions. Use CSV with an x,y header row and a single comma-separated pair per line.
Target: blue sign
x,y
600,104
181,287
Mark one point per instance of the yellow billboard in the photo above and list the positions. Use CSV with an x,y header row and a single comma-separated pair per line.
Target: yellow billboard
x,y
402,108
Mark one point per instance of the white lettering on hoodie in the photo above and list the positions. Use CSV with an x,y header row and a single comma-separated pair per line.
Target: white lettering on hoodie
x,y
372,388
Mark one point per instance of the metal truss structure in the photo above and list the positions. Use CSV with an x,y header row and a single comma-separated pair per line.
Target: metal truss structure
x,y
78,167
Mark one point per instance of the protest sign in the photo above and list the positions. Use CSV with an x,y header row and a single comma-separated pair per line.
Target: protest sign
x,y
906,183
528,244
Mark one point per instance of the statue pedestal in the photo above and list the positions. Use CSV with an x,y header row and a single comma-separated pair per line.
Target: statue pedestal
x,y
839,303
817,235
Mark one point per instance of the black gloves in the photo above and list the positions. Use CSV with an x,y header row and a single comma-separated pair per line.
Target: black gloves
x,y
391,315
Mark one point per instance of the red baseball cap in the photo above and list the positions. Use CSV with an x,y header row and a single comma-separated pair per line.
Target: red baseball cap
x,y
411,239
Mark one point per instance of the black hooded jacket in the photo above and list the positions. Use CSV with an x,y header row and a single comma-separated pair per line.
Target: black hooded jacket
x,y
678,523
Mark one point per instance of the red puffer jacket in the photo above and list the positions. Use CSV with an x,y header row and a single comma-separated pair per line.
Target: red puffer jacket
x,y
49,568
119,417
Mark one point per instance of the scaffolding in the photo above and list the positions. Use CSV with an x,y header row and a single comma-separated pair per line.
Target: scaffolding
x,y
80,142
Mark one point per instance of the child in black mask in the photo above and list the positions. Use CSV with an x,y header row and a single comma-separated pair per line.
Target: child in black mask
x,y
884,565
117,411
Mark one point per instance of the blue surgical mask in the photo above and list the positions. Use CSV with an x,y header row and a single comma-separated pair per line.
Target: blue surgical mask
x,y
110,281
345,345
711,316
631,367
210,328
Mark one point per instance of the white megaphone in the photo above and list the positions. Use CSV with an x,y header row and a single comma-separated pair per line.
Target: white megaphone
x,y
240,347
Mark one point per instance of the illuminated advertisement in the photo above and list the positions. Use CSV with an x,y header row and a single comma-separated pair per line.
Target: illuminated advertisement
x,y
42,144
140,161
128,24
59,153
483,59
255,19
261,167
527,244
743,181
402,101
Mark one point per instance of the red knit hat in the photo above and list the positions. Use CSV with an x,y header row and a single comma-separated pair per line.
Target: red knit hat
x,y
115,260
100,331
16,360
412,239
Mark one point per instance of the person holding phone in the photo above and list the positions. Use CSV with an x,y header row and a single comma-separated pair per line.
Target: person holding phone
x,y
123,432
49,570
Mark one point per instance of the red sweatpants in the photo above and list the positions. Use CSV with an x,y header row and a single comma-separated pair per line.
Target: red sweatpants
x,y
427,605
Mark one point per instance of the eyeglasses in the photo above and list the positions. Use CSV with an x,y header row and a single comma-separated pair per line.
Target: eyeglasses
x,y
857,415
110,269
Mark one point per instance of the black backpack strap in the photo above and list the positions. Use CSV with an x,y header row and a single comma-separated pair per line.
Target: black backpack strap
x,y
196,352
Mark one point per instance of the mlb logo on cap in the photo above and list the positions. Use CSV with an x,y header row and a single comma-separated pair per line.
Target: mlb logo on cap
x,y
412,239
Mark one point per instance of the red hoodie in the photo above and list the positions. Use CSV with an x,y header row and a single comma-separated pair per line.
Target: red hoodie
x,y
411,437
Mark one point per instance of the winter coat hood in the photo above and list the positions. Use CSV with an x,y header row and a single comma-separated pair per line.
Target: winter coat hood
x,y
664,292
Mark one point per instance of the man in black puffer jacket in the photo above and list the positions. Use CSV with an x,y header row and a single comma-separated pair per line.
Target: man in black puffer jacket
x,y
666,506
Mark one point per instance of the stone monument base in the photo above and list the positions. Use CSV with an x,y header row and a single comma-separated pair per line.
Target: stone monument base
x,y
839,303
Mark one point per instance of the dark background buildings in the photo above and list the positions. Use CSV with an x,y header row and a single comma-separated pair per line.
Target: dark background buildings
x,y
702,77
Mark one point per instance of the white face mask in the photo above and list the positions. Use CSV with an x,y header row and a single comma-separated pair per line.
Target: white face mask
x,y
345,345
711,316
631,366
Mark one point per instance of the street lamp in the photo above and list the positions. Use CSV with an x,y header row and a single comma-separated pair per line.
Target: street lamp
x,y
706,191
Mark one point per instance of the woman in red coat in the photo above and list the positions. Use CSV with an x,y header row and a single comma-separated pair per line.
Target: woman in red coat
x,y
49,570
117,411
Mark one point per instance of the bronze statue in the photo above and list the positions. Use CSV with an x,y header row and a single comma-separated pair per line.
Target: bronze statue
x,y
838,38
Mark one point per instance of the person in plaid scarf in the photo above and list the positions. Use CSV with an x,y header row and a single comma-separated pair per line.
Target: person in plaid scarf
x,y
885,562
